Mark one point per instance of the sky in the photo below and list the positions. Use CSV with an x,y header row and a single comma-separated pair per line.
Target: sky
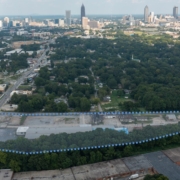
x,y
110,7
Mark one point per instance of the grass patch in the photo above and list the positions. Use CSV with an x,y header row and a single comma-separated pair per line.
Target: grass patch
x,y
23,118
115,100
25,87
15,77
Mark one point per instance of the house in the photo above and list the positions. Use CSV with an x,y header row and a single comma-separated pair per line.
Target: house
x,y
171,117
107,99
126,91
100,85
52,78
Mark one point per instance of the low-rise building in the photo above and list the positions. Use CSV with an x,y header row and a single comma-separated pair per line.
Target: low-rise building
x,y
21,131
171,117
107,99
21,92
13,51
3,87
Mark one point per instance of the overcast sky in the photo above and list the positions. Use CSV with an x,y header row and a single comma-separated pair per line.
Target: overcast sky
x,y
58,7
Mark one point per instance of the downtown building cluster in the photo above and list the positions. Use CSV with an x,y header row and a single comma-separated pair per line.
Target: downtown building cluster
x,y
67,21
153,20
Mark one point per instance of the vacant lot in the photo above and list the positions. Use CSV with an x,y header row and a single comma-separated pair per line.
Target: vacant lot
x,y
51,121
18,44
115,100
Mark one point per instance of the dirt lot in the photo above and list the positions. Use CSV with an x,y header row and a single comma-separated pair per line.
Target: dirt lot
x,y
114,122
14,121
18,44
51,121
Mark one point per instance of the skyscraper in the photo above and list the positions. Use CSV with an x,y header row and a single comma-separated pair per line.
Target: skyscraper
x,y
175,11
146,14
68,18
83,13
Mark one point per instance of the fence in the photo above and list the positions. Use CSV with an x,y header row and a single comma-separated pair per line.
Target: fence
x,y
85,113
88,113
91,147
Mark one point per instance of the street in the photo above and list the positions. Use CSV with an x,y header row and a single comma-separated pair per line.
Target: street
x,y
95,94
6,96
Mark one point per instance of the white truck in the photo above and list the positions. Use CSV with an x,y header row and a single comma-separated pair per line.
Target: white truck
x,y
134,176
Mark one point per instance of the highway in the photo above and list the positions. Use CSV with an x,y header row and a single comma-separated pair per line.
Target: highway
x,y
6,96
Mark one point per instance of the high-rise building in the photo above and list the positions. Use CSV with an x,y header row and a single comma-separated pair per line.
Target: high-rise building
x,y
85,21
175,12
61,23
1,24
56,21
83,13
26,20
146,14
6,21
151,17
68,18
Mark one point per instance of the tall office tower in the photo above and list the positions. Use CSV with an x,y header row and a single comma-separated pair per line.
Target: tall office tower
x,y
146,14
68,18
175,11
83,13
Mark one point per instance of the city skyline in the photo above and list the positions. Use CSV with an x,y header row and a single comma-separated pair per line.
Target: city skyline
x,y
55,7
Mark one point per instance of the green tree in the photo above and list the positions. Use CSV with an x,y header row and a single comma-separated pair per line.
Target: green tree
x,y
14,165
85,104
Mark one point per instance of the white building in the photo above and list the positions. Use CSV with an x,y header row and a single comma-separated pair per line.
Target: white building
x,y
6,19
26,20
21,131
151,17
21,32
1,24
61,23
13,51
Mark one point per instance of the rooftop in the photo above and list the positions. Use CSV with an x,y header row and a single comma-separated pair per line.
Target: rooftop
x,y
99,170
173,154
22,129
137,162
164,165
36,132
14,51
6,174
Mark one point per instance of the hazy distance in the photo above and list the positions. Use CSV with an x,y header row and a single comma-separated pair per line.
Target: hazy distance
x,y
58,7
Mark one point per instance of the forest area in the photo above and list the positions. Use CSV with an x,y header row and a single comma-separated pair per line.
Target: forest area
x,y
61,159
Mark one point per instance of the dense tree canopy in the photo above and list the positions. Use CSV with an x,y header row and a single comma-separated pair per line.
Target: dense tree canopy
x,y
154,81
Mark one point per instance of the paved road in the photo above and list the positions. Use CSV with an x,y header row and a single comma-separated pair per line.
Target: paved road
x,y
95,94
6,96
